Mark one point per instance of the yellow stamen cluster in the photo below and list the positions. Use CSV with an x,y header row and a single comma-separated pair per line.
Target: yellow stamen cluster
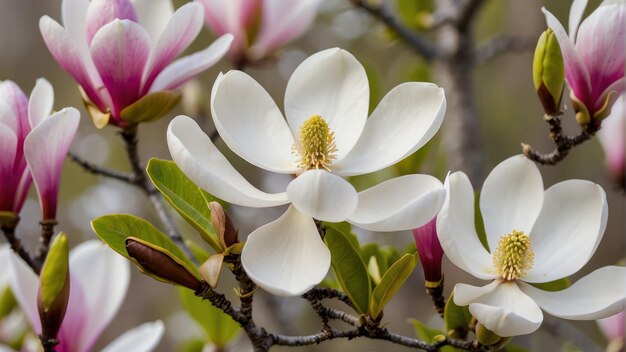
x,y
514,255
316,146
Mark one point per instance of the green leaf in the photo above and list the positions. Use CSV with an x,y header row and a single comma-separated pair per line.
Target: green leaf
x,y
54,273
428,334
114,229
391,282
220,328
193,345
151,107
188,200
7,302
370,250
456,318
349,268
198,252
556,285
511,347
391,256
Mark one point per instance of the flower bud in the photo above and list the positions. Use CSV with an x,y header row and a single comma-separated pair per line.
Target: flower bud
x,y
155,262
54,287
549,72
430,251
223,225
210,270
485,336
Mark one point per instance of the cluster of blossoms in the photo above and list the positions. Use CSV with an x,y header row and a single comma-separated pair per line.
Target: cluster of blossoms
x,y
123,53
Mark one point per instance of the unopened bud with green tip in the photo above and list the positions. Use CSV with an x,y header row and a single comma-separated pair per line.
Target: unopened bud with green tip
x,y
549,72
158,263
54,287
223,225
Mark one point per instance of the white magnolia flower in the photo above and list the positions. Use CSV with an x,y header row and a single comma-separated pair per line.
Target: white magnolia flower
x,y
534,237
324,137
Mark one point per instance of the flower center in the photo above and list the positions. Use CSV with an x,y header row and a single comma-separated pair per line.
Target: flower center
x,y
316,147
514,255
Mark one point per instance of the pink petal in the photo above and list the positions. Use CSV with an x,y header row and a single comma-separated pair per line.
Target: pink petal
x,y
67,55
576,73
186,68
283,21
120,51
180,31
153,15
601,44
45,149
40,102
8,148
613,139
102,12
24,284
15,112
613,327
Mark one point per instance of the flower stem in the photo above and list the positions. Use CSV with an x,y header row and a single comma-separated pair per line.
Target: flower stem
x,y
16,245
47,231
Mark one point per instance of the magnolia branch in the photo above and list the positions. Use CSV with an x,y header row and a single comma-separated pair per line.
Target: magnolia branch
x,y
17,247
102,171
563,143
501,45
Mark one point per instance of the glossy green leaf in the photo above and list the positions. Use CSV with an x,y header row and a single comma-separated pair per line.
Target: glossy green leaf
x,y
390,283
370,250
556,285
456,318
55,271
114,229
428,334
391,256
349,268
219,327
184,196
151,107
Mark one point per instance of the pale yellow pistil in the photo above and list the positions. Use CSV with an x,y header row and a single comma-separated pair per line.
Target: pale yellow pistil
x,y
316,146
514,255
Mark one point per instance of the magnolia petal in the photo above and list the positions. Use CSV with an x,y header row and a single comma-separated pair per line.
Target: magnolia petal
x,y
180,31
576,12
333,85
45,149
613,138
256,130
283,21
186,68
120,51
456,231
407,117
67,54
572,220
8,146
14,109
103,276
323,196
575,71
153,15
101,12
286,257
143,338
511,198
231,17
597,295
24,284
202,162
402,203
501,307
41,102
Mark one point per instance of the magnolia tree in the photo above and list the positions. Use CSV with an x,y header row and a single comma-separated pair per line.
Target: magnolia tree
x,y
522,239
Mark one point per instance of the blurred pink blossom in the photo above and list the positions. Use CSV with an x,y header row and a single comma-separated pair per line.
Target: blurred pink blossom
x,y
259,26
613,329
612,137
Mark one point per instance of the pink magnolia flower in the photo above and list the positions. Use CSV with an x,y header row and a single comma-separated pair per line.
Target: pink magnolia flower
x,y
30,136
121,50
612,137
429,250
259,26
593,55
613,329
99,280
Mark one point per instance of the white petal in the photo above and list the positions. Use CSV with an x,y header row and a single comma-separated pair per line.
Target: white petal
x,y
568,231
199,159
575,15
186,68
597,295
332,84
501,307
24,284
153,15
407,117
323,196
103,276
456,231
41,102
402,203
143,338
256,130
511,198
286,257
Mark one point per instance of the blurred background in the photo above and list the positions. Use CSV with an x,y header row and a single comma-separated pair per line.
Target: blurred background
x,y
509,114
